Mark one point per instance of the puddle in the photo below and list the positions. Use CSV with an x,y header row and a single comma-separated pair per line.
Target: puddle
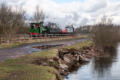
x,y
47,46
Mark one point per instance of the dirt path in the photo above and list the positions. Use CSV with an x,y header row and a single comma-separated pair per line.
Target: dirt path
x,y
28,49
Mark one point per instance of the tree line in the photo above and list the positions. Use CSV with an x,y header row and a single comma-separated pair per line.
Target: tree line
x,y
13,21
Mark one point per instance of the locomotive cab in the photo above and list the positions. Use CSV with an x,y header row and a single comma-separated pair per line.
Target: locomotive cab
x,y
36,29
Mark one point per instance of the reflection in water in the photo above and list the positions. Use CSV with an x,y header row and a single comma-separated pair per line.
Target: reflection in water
x,y
102,68
102,65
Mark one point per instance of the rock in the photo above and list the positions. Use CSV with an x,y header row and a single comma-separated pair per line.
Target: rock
x,y
63,72
92,50
78,58
71,59
84,58
63,66
44,64
67,58
51,60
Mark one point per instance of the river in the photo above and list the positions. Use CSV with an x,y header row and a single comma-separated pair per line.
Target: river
x,y
103,68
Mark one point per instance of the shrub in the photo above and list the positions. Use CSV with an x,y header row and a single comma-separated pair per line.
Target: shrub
x,y
105,35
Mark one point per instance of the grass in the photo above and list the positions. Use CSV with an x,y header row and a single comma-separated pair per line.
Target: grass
x,y
22,68
9,45
46,53
79,45
12,70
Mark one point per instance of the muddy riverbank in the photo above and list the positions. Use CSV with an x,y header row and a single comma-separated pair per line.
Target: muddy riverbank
x,y
71,59
68,59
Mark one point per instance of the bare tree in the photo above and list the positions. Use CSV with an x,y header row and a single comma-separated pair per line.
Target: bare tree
x,y
39,15
10,21
106,35
106,21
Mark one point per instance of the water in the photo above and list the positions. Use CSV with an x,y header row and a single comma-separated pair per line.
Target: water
x,y
104,68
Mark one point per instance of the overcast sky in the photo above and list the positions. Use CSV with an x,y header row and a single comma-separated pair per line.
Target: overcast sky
x,y
78,12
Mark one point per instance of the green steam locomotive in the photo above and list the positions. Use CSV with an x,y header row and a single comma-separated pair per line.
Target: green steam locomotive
x,y
37,29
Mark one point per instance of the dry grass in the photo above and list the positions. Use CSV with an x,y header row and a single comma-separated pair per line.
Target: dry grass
x,y
23,69
79,45
106,36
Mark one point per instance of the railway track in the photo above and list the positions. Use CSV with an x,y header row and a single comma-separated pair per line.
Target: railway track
x,y
25,37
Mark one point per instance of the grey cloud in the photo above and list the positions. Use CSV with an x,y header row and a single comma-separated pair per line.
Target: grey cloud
x,y
97,7
76,16
69,13
84,21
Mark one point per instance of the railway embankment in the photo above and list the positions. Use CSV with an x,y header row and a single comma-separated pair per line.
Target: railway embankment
x,y
22,40
49,64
